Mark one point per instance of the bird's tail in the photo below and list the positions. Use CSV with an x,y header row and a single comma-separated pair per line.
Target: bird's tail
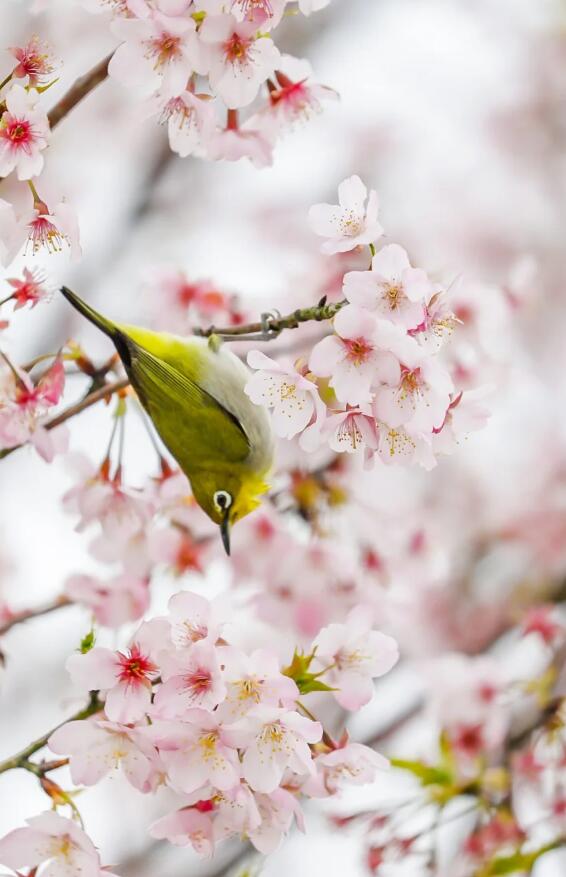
x,y
107,326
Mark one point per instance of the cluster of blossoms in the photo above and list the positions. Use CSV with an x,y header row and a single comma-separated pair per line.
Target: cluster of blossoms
x,y
225,729
499,763
199,64
24,405
376,385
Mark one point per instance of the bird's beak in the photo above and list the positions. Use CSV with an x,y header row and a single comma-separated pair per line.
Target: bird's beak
x,y
225,533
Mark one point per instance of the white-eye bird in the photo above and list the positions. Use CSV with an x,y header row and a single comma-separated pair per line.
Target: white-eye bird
x,y
193,390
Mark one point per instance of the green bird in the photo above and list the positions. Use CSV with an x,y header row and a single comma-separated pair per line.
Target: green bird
x,y
194,393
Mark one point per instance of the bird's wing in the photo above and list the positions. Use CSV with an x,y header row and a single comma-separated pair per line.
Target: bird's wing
x,y
191,421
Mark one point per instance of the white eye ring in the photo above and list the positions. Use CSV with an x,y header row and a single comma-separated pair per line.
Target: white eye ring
x,y
222,500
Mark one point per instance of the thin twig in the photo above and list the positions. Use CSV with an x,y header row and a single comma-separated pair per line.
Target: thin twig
x,y
275,325
83,86
21,759
27,614
102,393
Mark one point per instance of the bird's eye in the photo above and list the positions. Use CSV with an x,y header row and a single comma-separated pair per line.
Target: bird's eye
x,y
222,500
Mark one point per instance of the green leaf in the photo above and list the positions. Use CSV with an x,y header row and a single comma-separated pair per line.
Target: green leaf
x,y
299,671
429,776
87,642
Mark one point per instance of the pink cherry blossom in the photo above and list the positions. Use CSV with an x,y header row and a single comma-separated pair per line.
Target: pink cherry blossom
x,y
122,513
274,740
352,358
392,289
190,121
52,840
125,677
98,747
293,97
355,654
253,679
125,8
53,230
34,61
466,413
23,404
353,431
190,679
278,811
24,130
261,12
349,223
196,752
352,764
193,618
238,61
294,399
420,397
114,601
186,826
243,141
158,52
31,289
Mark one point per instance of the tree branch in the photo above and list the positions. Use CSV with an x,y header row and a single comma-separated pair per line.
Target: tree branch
x,y
21,759
27,614
83,86
271,327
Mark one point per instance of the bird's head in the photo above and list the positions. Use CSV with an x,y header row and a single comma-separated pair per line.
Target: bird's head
x,y
228,496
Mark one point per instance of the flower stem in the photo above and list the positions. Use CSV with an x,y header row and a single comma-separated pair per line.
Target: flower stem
x,y
6,80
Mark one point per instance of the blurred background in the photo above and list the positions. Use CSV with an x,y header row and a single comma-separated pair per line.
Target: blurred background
x,y
455,111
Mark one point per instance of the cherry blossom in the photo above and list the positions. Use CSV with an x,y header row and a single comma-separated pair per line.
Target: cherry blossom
x,y
97,747
392,289
186,826
114,601
53,840
278,811
23,404
31,289
197,752
244,141
126,677
190,121
349,223
121,512
353,654
294,398
274,739
24,131
53,230
34,61
193,618
293,97
238,61
421,395
253,679
190,679
352,764
352,358
158,52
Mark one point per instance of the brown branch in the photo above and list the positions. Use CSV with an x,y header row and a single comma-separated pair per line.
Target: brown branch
x,y
21,759
273,326
27,614
83,86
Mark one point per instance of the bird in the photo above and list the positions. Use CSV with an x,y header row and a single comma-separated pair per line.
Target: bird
x,y
193,390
